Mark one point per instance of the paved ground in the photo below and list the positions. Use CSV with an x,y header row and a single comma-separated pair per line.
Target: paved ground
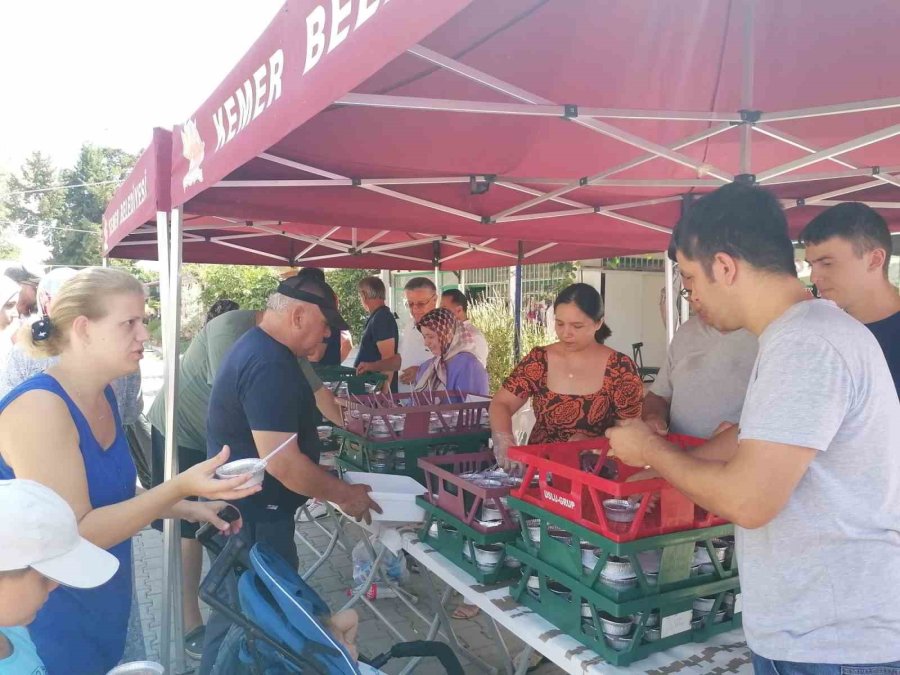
x,y
331,581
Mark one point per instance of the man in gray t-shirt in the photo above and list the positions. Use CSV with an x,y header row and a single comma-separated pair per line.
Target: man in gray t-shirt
x,y
703,380
812,477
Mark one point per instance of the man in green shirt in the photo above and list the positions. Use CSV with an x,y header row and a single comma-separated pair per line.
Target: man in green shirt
x,y
199,366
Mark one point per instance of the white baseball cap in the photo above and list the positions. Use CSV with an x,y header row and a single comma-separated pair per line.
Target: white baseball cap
x,y
38,530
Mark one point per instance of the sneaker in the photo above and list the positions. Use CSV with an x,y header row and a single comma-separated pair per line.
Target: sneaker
x,y
193,642
313,510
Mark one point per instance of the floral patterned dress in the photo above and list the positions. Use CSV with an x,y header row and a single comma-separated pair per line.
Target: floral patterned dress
x,y
558,416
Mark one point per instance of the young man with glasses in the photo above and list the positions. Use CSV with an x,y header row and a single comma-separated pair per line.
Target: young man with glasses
x,y
811,477
421,298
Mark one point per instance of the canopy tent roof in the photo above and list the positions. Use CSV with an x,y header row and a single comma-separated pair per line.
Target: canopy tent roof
x,y
549,121
293,244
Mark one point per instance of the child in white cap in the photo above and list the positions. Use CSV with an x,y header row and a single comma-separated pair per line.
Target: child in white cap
x,y
40,548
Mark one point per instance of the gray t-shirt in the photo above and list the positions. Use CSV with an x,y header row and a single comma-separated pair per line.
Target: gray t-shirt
x,y
821,581
705,377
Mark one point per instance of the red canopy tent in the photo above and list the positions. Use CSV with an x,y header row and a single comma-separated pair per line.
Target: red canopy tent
x,y
564,123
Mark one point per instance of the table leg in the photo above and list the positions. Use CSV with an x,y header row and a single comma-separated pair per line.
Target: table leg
x,y
444,620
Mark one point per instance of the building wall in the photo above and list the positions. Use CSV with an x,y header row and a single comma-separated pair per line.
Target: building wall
x,y
632,310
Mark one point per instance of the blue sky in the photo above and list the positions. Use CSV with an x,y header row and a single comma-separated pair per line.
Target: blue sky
x,y
107,72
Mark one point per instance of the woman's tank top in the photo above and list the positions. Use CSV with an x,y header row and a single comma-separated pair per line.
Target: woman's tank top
x,y
78,631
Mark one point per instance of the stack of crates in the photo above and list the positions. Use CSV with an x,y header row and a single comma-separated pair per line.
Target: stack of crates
x,y
388,433
469,521
627,568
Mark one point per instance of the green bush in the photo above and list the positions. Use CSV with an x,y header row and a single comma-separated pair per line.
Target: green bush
x,y
495,319
247,285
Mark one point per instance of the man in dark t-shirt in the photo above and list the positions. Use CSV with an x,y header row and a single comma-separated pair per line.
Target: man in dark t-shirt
x,y
849,248
258,401
378,345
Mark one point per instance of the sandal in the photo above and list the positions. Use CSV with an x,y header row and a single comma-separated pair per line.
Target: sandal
x,y
193,642
465,612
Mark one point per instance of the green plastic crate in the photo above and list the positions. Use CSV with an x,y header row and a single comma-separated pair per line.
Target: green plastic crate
x,y
454,544
564,610
400,457
676,555
355,383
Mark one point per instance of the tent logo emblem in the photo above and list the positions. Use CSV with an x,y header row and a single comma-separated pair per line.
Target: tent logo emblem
x,y
193,149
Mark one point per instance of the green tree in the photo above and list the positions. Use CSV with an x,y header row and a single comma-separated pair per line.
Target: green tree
x,y
345,283
247,285
77,241
32,208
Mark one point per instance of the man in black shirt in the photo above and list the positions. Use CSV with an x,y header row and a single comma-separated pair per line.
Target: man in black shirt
x,y
258,400
378,346
849,248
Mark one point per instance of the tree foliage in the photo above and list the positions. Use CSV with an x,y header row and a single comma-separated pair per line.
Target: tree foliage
x,y
66,220
247,285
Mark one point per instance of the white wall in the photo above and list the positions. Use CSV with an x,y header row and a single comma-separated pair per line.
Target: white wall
x,y
632,310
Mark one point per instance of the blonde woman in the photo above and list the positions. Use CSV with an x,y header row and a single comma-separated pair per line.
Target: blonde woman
x,y
61,428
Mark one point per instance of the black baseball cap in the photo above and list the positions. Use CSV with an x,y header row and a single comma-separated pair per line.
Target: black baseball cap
x,y
315,292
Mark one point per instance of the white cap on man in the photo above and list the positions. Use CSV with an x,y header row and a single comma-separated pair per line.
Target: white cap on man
x,y
38,530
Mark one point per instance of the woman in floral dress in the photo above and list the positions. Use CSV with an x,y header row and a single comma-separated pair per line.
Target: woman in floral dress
x,y
578,386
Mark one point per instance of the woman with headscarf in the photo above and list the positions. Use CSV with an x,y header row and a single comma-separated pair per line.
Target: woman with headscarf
x,y
453,367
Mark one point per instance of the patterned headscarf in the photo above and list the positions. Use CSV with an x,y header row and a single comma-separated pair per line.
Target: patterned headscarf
x,y
449,332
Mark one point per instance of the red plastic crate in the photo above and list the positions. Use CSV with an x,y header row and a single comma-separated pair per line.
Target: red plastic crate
x,y
370,415
564,488
462,498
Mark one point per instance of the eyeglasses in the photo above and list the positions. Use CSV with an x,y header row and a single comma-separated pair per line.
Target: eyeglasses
x,y
422,304
685,293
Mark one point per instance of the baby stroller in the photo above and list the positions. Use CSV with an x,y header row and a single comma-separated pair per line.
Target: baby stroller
x,y
277,629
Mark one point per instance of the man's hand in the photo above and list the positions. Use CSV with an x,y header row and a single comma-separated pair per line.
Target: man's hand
x,y
408,375
658,424
358,503
629,439
365,367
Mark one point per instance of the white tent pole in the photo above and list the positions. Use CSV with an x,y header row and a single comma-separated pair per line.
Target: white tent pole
x,y
587,181
170,247
462,281
880,173
517,304
833,151
837,109
527,109
670,300
594,125
389,295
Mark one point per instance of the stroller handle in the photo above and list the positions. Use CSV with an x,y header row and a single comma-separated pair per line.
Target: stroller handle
x,y
439,650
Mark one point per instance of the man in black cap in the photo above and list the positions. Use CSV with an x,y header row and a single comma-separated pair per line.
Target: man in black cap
x,y
258,400
28,279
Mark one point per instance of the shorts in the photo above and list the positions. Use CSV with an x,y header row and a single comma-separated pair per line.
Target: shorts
x,y
187,457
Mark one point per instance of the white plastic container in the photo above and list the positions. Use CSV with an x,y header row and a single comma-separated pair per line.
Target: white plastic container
x,y
396,495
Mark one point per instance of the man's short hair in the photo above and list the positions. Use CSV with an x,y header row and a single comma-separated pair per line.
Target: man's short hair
x,y
858,223
744,221
372,288
419,283
457,297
